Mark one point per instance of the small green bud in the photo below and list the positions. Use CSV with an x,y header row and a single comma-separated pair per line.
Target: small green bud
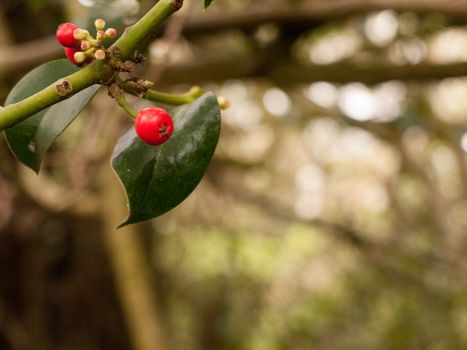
x,y
100,24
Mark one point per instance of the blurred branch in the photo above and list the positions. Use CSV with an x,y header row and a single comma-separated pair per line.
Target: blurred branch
x,y
368,72
77,197
314,12
45,191
253,66
16,59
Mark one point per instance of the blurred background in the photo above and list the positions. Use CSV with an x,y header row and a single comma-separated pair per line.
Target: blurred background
x,y
334,212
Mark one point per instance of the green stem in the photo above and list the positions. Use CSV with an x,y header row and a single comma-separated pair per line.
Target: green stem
x,y
95,73
17,112
122,102
170,99
176,99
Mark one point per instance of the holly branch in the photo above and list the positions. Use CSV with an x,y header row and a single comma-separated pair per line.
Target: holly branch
x,y
49,98
97,72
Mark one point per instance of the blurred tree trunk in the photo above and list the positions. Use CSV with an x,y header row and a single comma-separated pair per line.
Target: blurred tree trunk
x,y
132,273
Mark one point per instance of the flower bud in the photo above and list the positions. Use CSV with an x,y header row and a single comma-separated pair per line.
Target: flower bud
x,y
147,84
85,45
223,102
79,57
80,34
99,55
111,33
100,24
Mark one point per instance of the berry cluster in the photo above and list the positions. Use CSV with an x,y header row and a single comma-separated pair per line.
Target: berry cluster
x,y
80,46
153,125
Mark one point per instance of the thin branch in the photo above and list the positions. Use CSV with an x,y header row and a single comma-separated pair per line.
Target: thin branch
x,y
122,102
167,98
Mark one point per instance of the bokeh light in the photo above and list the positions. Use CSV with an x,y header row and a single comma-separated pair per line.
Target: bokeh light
x,y
322,94
277,102
381,27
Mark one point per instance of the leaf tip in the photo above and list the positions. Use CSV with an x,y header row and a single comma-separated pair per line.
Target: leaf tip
x,y
130,221
123,224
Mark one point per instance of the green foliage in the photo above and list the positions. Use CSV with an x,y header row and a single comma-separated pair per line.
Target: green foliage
x,y
30,139
157,179
207,3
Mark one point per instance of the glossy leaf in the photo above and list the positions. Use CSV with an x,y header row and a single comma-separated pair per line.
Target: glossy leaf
x,y
30,139
158,178
207,3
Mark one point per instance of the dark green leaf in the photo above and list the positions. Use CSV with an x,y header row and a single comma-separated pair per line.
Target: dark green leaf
x,y
157,179
207,3
30,139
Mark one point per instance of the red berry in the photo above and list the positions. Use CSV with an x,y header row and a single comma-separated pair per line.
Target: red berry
x,y
65,35
154,125
70,54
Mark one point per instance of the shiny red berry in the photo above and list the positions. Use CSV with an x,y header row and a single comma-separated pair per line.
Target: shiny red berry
x,y
154,125
65,35
70,54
